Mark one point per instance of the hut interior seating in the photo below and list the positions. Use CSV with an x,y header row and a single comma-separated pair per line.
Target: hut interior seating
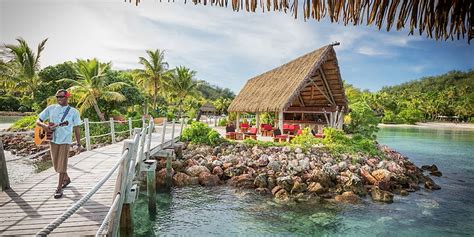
x,y
230,131
244,127
293,128
252,134
278,137
267,130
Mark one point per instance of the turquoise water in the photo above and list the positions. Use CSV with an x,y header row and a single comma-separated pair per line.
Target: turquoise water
x,y
223,211
8,119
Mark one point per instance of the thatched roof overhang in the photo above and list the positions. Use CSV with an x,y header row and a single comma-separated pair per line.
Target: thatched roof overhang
x,y
309,83
439,19
208,107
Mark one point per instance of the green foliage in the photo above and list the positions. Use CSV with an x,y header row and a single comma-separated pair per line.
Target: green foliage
x,y
9,103
25,123
222,122
200,133
409,115
251,142
389,117
306,139
338,143
211,92
363,120
267,118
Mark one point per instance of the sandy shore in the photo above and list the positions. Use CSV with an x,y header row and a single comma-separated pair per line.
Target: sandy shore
x,y
435,125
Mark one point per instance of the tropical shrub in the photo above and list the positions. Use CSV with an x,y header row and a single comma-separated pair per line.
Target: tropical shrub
x,y
25,123
9,103
251,142
363,120
200,133
409,116
339,143
306,139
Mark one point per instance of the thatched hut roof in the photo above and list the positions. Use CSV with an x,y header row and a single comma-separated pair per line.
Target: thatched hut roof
x,y
282,87
439,19
208,107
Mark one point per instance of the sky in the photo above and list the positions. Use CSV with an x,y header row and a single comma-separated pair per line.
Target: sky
x,y
225,48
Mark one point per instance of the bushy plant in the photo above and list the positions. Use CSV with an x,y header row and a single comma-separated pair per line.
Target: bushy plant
x,y
222,122
9,103
363,120
339,143
25,123
200,133
410,116
306,139
251,142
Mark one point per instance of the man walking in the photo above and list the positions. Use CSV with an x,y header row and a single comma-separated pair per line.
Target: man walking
x,y
62,120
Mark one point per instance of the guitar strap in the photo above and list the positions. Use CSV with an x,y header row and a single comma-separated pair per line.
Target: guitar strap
x,y
65,113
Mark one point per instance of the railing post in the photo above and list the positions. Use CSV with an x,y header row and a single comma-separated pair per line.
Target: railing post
x,y
88,134
121,188
151,127
4,181
112,130
143,121
130,126
172,133
150,167
163,133
182,125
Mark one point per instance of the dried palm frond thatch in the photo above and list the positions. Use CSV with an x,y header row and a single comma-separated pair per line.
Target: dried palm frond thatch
x,y
440,19
277,89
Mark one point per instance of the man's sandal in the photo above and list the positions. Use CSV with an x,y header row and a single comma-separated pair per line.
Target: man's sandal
x,y
66,183
58,193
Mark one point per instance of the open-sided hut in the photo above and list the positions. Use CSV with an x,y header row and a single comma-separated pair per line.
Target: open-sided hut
x,y
305,91
207,109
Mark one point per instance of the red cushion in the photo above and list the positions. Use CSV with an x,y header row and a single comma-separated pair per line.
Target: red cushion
x,y
268,127
230,133
281,136
319,135
286,126
299,132
244,125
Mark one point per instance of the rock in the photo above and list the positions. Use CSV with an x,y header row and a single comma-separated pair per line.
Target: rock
x,y
431,168
217,163
285,182
274,165
262,191
217,171
286,149
429,184
315,187
226,165
261,181
263,160
436,173
275,190
404,192
381,196
298,150
178,165
271,182
207,179
234,171
342,165
242,181
348,197
282,195
196,170
230,159
180,179
298,187
381,175
321,177
193,181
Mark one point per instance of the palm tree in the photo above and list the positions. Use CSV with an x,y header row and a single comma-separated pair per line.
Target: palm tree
x,y
181,86
21,66
155,73
92,85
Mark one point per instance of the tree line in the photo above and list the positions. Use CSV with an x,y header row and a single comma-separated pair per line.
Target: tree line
x,y
99,91
450,95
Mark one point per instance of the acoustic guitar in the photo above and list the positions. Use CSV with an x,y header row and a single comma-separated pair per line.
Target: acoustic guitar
x,y
41,136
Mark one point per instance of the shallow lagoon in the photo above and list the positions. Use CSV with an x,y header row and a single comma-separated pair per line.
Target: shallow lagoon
x,y
223,211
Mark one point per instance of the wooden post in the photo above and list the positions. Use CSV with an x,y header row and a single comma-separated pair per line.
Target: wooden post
x,y
150,131
182,125
168,169
120,189
172,133
112,130
130,126
280,121
150,167
257,122
237,121
163,133
4,181
88,134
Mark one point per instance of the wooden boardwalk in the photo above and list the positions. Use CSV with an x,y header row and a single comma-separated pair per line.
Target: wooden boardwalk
x,y
28,207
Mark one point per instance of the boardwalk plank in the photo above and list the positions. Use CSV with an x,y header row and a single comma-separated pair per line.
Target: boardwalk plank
x,y
28,207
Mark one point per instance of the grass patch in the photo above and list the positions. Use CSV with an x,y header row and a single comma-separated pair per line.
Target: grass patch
x,y
42,165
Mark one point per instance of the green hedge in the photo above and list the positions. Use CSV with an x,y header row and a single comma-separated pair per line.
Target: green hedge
x,y
200,133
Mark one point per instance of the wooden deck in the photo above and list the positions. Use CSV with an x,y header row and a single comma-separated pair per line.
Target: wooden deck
x,y
28,207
